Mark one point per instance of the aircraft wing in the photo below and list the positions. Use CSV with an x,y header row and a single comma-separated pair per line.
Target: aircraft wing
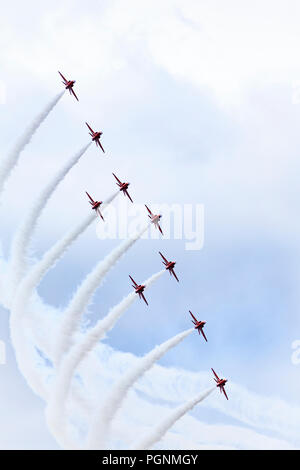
x,y
90,128
101,146
73,92
62,77
166,261
91,199
215,374
149,210
159,228
117,179
127,194
173,272
193,317
144,298
100,215
203,334
133,281
225,393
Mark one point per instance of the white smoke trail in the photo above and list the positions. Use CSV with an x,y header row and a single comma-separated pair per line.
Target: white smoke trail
x,y
24,354
8,164
22,238
18,335
85,292
24,292
55,411
100,428
38,271
159,431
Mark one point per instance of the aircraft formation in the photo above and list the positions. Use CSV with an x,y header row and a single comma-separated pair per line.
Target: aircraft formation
x,y
155,219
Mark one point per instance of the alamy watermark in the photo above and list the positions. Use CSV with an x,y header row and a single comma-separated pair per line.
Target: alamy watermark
x,y
178,222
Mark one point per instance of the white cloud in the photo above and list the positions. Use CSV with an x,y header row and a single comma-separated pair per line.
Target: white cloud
x,y
244,58
224,47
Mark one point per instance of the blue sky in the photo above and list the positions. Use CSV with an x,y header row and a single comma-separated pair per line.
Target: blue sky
x,y
197,104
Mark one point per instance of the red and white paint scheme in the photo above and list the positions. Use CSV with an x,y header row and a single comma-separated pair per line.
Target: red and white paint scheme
x,y
96,137
154,219
69,85
139,289
95,205
220,383
123,187
199,325
169,266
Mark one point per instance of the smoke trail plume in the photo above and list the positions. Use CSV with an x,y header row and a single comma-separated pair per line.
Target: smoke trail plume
x,y
26,360
84,294
18,311
159,431
8,164
22,238
55,411
38,271
24,354
103,417
25,290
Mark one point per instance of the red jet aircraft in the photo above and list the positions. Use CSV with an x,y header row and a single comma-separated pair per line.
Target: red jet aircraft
x,y
139,289
154,219
199,325
220,383
169,266
69,85
95,205
96,137
123,187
